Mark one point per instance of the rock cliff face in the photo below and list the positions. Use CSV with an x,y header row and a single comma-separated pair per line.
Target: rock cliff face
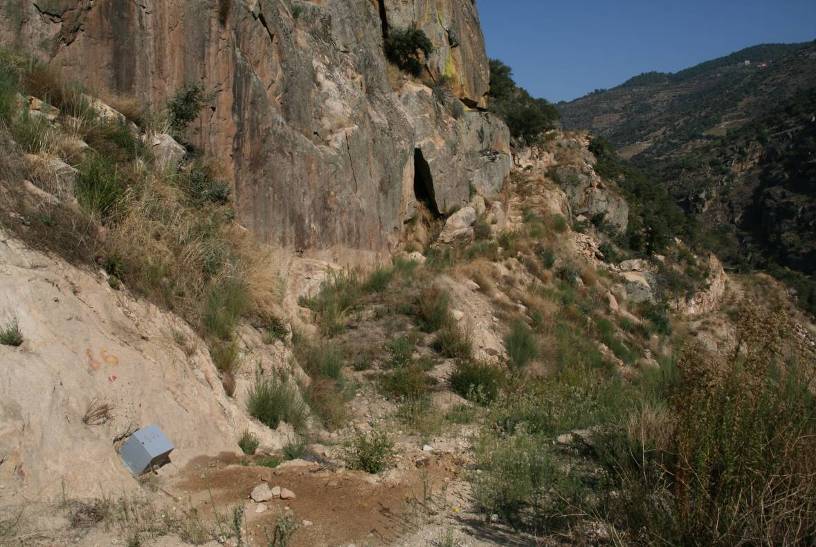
x,y
326,144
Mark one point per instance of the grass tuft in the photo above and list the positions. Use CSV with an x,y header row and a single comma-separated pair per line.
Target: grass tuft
x,y
370,452
521,345
273,400
10,334
248,443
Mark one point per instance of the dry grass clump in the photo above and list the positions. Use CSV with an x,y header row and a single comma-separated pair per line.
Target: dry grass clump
x,y
97,413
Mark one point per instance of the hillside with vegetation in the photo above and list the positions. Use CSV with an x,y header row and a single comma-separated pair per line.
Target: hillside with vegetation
x,y
732,142
531,357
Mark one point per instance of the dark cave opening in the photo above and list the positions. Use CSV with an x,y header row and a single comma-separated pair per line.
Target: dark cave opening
x,y
383,19
423,183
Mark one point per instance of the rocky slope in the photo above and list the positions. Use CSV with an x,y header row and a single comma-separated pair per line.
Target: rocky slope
x,y
732,140
323,142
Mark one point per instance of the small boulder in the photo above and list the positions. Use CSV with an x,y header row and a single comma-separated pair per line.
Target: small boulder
x,y
417,257
261,508
43,110
286,494
166,150
276,491
458,225
261,493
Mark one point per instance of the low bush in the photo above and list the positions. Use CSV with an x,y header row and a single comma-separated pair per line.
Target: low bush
x,y
407,47
371,452
451,342
272,400
547,257
606,332
294,450
522,482
433,309
481,229
378,280
400,351
115,142
528,118
478,382
225,304
408,382
10,334
324,360
328,401
521,345
202,186
184,106
99,186
225,356
331,304
248,443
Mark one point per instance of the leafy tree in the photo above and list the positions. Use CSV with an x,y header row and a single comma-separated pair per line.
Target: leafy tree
x,y
403,47
528,118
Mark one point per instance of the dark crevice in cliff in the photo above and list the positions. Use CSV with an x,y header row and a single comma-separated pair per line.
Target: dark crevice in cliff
x,y
383,18
262,19
423,183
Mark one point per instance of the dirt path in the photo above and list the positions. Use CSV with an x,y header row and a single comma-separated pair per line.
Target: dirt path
x,y
342,506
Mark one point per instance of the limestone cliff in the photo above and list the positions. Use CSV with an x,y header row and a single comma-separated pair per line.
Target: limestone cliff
x,y
320,137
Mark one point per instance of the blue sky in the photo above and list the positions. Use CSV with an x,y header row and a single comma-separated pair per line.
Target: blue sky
x,y
564,49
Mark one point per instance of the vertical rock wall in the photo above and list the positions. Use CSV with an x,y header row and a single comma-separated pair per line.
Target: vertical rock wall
x,y
312,125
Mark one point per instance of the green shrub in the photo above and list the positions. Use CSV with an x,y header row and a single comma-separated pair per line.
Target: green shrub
x,y
404,48
547,257
328,401
32,133
461,414
268,461
487,249
272,400
451,342
99,187
409,382
478,382
115,141
337,296
481,230
10,334
370,452
521,345
324,360
606,332
184,106
225,304
201,185
558,223
378,280
225,355
658,316
528,118
274,329
294,450
400,351
248,443
521,481
432,309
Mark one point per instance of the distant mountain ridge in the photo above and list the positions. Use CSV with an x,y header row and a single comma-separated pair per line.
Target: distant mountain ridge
x,y
734,141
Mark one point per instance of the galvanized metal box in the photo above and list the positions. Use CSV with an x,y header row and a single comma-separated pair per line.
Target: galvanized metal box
x,y
146,448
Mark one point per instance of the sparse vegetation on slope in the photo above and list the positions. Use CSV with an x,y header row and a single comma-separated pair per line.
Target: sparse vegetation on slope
x,y
527,118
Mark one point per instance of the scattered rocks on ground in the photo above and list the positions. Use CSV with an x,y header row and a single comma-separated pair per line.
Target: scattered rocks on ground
x,y
261,493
